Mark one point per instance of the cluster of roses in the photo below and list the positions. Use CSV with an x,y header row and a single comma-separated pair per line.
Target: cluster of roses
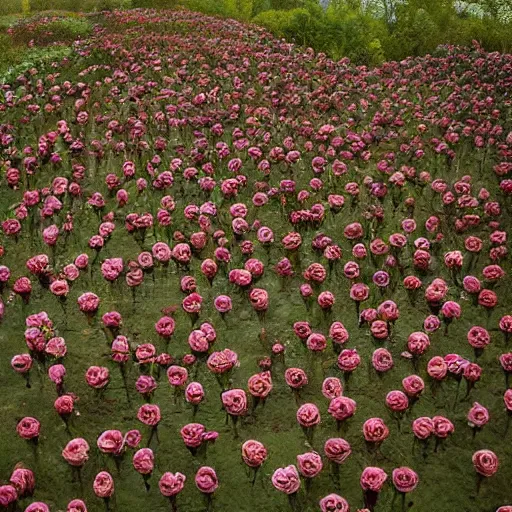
x,y
273,145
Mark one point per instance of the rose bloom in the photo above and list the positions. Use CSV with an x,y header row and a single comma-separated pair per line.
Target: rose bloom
x,y
379,329
382,360
359,292
507,398
471,284
254,453
423,427
478,415
412,283
97,376
286,479
222,362
334,503
437,368
103,485
194,393
397,401
405,479
177,375
451,309
223,303
342,408
309,464
338,333
132,438
206,480
88,302
418,343
260,384
485,462
337,450
375,430
171,484
296,378
38,506
76,452
332,388
23,480
373,479
443,427
149,414
316,342
487,299
413,386
431,323
308,415
76,506
8,495
143,461
348,360
110,441
235,402
259,299
303,329
28,428
64,405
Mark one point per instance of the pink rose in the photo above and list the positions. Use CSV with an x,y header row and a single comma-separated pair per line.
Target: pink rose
x,y
165,326
286,479
8,495
485,462
28,428
337,449
177,375
88,302
97,376
260,384
296,378
308,415
110,441
38,506
375,430
206,480
23,480
443,427
348,360
309,464
478,415
373,479
382,360
332,388
342,408
235,402
194,393
171,484
423,427
334,503
418,343
405,479
103,485
76,506
149,414
143,461
254,453
397,401
76,452
413,385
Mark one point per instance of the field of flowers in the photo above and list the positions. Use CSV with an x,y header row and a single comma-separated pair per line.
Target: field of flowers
x,y
237,275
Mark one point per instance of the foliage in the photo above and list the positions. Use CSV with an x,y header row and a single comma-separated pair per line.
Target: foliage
x,y
49,29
